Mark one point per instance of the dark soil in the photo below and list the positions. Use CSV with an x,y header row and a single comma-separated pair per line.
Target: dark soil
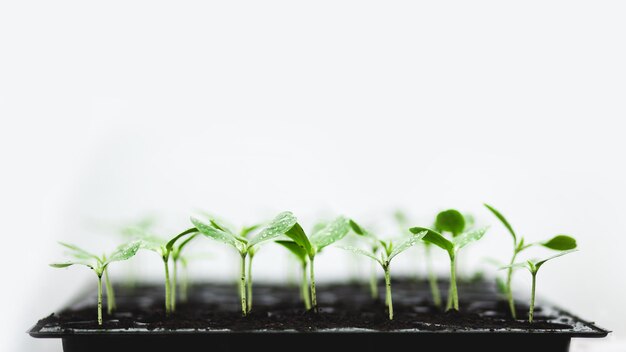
x,y
278,308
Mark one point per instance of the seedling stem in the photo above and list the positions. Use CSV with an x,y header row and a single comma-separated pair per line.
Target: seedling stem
x,y
242,286
99,299
312,274
111,306
249,294
432,278
532,299
388,290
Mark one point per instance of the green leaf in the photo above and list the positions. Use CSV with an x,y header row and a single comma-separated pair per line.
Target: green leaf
x,y
502,220
171,242
216,234
70,263
222,227
435,238
217,222
413,240
318,226
387,246
538,264
153,243
180,247
361,252
333,232
451,221
469,237
560,243
124,252
78,252
278,226
297,234
356,228
246,230
514,266
294,248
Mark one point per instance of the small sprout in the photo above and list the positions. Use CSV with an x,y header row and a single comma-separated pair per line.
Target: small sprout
x,y
177,257
385,258
214,230
374,247
402,221
303,257
332,232
533,267
165,249
558,243
451,222
98,264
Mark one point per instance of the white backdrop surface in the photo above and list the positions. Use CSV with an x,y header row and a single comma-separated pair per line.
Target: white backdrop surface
x,y
115,110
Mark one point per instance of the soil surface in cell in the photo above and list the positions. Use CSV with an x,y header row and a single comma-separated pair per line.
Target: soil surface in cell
x,y
211,306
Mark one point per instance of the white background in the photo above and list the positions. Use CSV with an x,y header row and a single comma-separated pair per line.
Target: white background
x,y
114,110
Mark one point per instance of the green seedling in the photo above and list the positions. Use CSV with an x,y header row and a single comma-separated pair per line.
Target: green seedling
x,y
386,255
402,221
558,243
374,245
245,232
176,258
329,234
460,239
277,227
184,263
98,264
165,248
533,267
301,254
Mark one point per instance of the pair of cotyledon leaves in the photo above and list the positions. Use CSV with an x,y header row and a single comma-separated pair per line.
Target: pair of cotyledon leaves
x,y
94,262
390,251
282,223
304,246
559,242
563,243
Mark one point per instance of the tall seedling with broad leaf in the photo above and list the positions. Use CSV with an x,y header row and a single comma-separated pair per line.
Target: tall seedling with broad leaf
x,y
386,255
558,243
329,234
98,264
277,227
454,223
533,267
164,249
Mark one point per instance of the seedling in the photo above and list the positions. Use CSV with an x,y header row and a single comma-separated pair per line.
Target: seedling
x,y
98,264
245,232
533,267
177,257
165,249
301,254
558,243
281,223
374,245
402,220
388,253
329,234
454,223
